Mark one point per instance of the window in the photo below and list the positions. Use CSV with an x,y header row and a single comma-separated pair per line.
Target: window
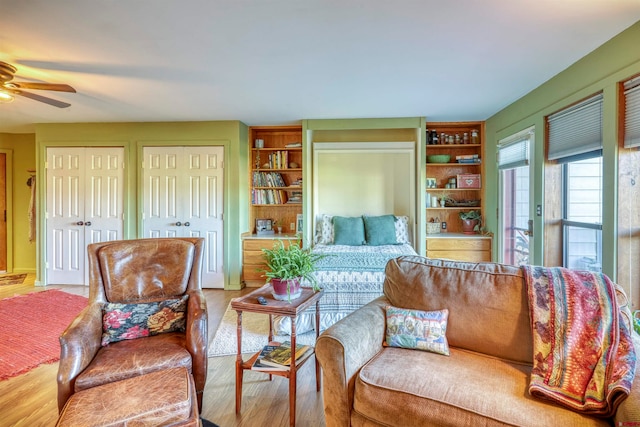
x,y
632,113
514,183
575,140
628,238
582,214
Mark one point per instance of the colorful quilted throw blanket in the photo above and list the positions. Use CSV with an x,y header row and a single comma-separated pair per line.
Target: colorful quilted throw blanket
x,y
583,356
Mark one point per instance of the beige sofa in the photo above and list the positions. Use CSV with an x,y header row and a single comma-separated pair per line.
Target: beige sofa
x,y
483,382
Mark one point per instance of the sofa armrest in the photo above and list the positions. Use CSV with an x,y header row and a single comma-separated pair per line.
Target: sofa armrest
x,y
628,412
342,350
79,344
197,338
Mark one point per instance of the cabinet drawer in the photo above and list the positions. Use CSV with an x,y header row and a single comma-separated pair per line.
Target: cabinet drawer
x,y
250,273
258,244
447,244
469,256
254,258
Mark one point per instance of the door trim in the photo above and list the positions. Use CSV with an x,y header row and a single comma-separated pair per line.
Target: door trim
x,y
9,205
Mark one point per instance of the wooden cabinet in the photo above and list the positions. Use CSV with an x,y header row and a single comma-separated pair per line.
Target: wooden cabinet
x,y
459,247
253,259
276,176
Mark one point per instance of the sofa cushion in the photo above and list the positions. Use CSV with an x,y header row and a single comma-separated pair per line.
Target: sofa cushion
x,y
416,329
487,302
466,388
130,358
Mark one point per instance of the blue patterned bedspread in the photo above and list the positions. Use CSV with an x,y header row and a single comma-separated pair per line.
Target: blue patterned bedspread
x,y
354,262
372,258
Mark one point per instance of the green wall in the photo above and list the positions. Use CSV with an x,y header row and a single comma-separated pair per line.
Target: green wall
x,y
133,137
20,151
599,71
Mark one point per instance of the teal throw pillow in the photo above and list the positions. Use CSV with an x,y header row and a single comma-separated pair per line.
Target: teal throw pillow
x,y
348,231
419,330
380,230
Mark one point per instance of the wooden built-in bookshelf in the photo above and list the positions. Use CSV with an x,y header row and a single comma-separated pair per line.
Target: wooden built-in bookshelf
x,y
275,186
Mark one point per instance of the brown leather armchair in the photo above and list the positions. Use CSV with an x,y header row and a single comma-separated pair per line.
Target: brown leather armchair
x,y
136,271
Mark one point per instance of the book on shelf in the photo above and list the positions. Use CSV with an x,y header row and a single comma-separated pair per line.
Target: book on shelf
x,y
268,197
294,145
279,160
281,355
295,197
268,179
469,161
259,366
467,156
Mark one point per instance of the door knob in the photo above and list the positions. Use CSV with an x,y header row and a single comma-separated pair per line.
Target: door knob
x,y
178,223
186,224
79,223
88,223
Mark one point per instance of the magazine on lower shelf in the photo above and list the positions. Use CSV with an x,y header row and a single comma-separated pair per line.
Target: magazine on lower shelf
x,y
259,366
279,356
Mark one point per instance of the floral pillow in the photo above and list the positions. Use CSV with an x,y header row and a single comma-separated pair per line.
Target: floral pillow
x,y
130,321
419,330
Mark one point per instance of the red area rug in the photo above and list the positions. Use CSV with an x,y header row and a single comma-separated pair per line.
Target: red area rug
x,y
30,326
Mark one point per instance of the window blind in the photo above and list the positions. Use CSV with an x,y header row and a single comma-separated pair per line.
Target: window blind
x,y
513,151
632,113
576,130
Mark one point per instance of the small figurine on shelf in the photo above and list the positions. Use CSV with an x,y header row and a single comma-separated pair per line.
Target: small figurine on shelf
x,y
277,226
257,166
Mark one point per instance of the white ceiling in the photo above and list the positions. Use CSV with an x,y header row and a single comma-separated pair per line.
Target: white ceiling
x,y
269,62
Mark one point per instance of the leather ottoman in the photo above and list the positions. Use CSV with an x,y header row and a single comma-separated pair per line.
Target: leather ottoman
x,y
159,398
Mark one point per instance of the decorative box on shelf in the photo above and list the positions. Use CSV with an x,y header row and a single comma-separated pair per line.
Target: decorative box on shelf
x,y
433,227
469,180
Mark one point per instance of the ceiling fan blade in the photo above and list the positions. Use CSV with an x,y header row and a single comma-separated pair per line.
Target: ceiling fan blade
x,y
43,86
41,98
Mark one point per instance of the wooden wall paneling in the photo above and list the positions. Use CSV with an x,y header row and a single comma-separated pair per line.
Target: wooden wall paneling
x,y
553,214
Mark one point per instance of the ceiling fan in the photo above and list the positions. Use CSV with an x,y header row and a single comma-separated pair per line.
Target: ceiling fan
x,y
8,88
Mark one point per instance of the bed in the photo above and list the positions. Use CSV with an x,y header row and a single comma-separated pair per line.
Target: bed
x,y
351,275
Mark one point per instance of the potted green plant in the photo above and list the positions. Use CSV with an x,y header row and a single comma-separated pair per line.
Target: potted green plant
x,y
287,267
471,221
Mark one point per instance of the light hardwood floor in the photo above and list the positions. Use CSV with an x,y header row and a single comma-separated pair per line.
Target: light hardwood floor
x,y
29,400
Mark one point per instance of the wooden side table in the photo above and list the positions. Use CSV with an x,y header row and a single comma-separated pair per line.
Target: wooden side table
x,y
249,302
